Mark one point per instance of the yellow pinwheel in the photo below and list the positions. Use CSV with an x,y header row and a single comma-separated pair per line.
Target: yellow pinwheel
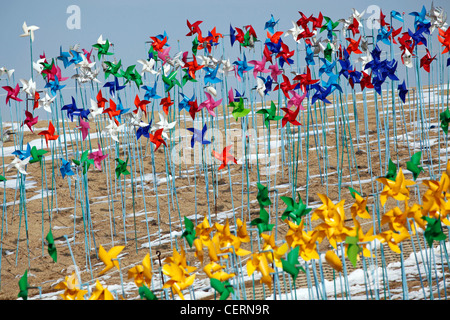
x,y
101,293
306,241
142,274
363,239
272,251
242,231
203,232
180,260
71,288
259,262
179,279
393,239
107,257
229,242
395,189
359,208
215,271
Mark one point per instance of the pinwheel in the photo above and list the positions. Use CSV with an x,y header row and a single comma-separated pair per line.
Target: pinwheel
x,y
433,231
211,75
150,92
263,196
28,86
113,86
36,154
223,288
12,93
23,286
426,60
6,71
239,110
270,115
170,81
259,262
102,49
101,293
215,271
23,154
163,124
158,44
269,25
98,157
393,239
417,37
189,231
262,223
109,258
113,129
49,134
290,265
97,106
66,169
396,189
444,117
179,278
166,103
284,56
51,246
144,131
29,120
71,288
402,91
413,165
157,138
112,111
242,67
121,168
294,32
198,136
19,165
113,69
225,157
444,39
84,161
295,210
28,31
290,116
140,104
210,104
54,86
225,241
142,274
359,208
71,109
420,17
148,66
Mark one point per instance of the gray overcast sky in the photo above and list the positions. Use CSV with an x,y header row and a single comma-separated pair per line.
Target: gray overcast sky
x,y
129,24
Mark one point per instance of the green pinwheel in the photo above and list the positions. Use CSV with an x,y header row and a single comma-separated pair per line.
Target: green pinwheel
x,y
128,73
170,81
51,246
136,78
103,49
146,293
122,167
262,223
23,286
353,249
329,25
263,196
36,154
195,46
84,162
413,165
152,53
223,288
294,210
187,77
327,53
392,171
113,69
270,114
290,265
189,231
445,120
238,109
2,178
433,230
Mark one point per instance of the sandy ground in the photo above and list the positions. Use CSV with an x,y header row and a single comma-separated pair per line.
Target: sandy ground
x,y
108,222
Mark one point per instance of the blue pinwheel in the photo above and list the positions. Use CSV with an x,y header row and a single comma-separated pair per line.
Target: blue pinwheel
x,y
71,109
420,17
309,55
327,67
267,83
269,25
184,104
199,136
144,131
54,86
23,154
232,35
64,57
397,15
383,35
113,86
150,92
211,75
66,168
242,66
76,57
402,91
418,36
120,107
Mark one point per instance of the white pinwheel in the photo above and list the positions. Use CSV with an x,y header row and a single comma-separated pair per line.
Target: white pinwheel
x,y
28,31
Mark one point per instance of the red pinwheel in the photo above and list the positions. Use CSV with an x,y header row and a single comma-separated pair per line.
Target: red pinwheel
x,y
444,39
365,81
192,67
286,86
305,79
267,54
112,111
157,139
158,44
225,157
285,53
30,121
354,27
140,104
240,35
193,108
49,134
353,46
382,19
290,116
166,103
100,100
395,33
275,38
36,100
12,93
193,28
426,61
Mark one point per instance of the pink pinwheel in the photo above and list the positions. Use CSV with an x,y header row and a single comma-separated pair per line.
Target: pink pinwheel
x,y
164,54
98,157
30,121
209,104
275,71
88,54
296,100
84,128
12,93
259,66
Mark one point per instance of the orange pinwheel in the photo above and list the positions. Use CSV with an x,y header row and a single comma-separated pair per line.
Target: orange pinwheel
x,y
140,104
444,39
112,111
193,67
225,157
166,103
353,46
49,134
158,44
157,139
274,37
